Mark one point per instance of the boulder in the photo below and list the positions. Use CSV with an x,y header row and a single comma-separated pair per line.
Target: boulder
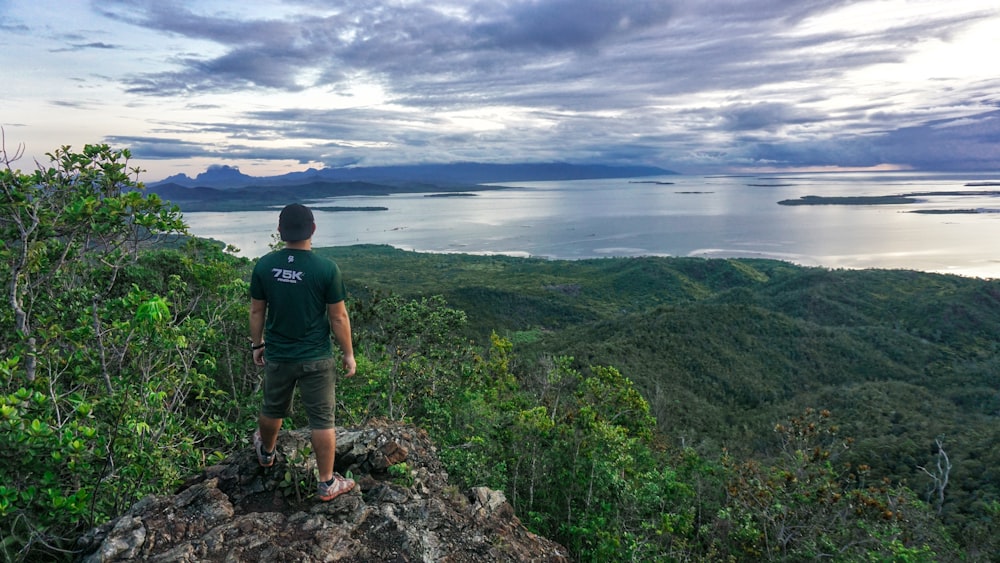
x,y
238,511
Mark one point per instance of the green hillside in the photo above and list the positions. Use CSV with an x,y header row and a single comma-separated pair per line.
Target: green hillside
x,y
723,349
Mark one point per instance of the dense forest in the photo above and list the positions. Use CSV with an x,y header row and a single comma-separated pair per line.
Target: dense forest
x,y
647,409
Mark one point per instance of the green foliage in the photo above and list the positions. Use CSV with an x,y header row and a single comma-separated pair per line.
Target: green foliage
x,y
401,474
296,480
42,464
418,342
810,504
719,349
502,293
628,412
570,454
117,376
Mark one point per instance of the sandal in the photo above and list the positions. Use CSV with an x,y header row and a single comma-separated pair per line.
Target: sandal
x,y
334,487
266,459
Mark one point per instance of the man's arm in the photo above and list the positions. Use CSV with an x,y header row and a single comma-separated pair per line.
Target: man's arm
x,y
340,324
258,310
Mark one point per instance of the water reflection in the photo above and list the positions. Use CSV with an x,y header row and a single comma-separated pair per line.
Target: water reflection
x,y
695,216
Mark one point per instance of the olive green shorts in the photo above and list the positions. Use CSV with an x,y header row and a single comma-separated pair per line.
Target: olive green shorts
x,y
317,383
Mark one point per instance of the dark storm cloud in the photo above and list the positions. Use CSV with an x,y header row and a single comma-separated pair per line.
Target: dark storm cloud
x,y
96,45
9,24
351,123
421,50
570,24
260,52
72,104
970,143
828,152
13,27
156,148
167,148
765,116
85,46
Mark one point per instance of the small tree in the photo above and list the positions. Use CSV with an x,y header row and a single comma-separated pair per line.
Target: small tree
x,y
419,342
939,476
68,230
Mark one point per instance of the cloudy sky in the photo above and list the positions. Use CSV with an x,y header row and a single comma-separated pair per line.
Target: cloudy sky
x,y
697,86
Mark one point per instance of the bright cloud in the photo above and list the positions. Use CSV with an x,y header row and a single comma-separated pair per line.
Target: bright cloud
x,y
683,84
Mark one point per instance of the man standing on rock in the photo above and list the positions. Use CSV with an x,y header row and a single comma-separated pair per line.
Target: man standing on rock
x,y
297,299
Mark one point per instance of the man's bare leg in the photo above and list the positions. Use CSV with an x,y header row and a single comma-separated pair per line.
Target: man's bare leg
x,y
269,431
324,444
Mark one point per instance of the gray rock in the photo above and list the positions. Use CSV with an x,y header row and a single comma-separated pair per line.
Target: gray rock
x,y
237,511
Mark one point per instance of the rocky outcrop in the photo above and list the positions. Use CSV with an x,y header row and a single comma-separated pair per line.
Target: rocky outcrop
x,y
238,511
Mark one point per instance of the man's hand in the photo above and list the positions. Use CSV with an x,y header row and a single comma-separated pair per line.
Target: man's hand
x,y
350,366
258,356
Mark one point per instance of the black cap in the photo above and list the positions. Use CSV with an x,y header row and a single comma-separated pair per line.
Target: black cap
x,y
295,223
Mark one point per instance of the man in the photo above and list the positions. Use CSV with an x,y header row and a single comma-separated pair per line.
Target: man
x,y
297,299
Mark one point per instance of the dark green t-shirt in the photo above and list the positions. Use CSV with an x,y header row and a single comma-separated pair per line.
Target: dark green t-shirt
x,y
297,285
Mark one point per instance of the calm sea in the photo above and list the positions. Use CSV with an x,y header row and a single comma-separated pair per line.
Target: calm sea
x,y
731,216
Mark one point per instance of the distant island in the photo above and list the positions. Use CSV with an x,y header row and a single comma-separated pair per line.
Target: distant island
x,y
849,200
880,199
446,174
337,209
954,211
225,188
261,198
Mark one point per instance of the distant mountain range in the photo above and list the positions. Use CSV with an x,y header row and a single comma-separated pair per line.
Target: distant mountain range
x,y
459,173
